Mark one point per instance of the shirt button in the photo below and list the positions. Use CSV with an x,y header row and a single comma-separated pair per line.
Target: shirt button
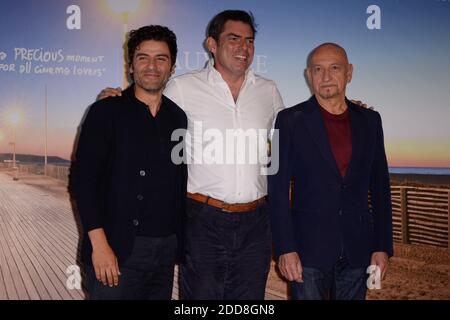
x,y
142,173
135,222
140,197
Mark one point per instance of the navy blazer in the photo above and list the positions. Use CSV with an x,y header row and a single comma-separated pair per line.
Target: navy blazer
x,y
106,170
330,214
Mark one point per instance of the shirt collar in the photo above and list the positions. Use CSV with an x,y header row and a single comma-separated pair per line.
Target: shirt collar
x,y
213,76
129,94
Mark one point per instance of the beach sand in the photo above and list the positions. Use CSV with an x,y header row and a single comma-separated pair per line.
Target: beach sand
x,y
421,179
416,272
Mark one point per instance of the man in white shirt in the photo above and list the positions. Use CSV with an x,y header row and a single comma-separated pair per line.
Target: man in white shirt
x,y
230,112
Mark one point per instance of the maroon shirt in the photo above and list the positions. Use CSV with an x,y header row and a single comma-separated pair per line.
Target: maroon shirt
x,y
340,137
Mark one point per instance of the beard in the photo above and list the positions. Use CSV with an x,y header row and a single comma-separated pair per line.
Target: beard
x,y
151,86
328,92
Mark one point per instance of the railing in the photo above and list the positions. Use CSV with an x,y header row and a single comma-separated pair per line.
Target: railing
x,y
421,215
58,172
54,171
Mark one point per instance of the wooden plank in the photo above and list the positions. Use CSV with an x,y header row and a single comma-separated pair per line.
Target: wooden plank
x,y
418,240
21,279
45,263
65,246
14,286
27,218
430,210
429,215
54,250
7,286
432,226
41,266
426,189
34,286
427,242
48,215
56,259
448,220
404,210
432,233
15,218
427,237
428,205
428,199
46,224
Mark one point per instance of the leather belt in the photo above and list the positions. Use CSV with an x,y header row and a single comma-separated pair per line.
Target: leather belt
x,y
228,207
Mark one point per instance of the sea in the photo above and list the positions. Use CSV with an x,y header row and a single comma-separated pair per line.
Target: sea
x,y
420,170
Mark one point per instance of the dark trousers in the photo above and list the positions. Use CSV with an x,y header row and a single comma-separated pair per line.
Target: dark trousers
x,y
146,275
227,255
342,282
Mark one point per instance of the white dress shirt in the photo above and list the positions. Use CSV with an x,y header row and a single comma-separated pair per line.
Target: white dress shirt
x,y
214,170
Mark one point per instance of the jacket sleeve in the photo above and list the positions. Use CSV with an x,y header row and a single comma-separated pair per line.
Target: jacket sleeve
x,y
278,187
90,165
381,195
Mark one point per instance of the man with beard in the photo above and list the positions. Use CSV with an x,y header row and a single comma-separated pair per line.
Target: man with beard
x,y
129,194
334,152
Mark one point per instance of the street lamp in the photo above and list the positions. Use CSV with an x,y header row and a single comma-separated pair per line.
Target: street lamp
x,y
2,136
14,119
124,8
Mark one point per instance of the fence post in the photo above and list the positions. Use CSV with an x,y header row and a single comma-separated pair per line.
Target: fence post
x,y
404,208
448,220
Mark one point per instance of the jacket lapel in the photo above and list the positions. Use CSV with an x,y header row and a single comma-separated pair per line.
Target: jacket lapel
x,y
359,132
315,125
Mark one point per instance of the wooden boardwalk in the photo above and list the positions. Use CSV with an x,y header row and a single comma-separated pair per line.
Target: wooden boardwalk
x,y
39,240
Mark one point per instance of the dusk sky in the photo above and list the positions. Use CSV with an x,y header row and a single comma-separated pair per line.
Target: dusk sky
x,y
402,69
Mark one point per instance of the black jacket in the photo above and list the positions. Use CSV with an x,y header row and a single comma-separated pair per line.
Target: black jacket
x,y
106,171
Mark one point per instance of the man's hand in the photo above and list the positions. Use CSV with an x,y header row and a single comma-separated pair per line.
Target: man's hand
x,y
104,260
291,267
362,104
381,260
109,92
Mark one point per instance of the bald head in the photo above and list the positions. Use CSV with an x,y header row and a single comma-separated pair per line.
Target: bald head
x,y
328,48
329,72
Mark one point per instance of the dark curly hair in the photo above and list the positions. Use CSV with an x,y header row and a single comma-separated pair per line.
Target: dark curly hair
x,y
217,24
152,32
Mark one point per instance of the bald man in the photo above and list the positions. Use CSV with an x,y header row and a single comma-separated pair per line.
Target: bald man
x,y
334,152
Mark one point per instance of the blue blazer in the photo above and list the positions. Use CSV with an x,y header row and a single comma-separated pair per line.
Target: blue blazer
x,y
330,214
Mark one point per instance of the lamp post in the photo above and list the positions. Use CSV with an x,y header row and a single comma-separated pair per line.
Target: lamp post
x,y
14,119
1,139
46,131
124,8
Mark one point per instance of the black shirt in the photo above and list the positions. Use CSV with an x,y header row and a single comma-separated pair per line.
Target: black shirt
x,y
155,191
123,178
